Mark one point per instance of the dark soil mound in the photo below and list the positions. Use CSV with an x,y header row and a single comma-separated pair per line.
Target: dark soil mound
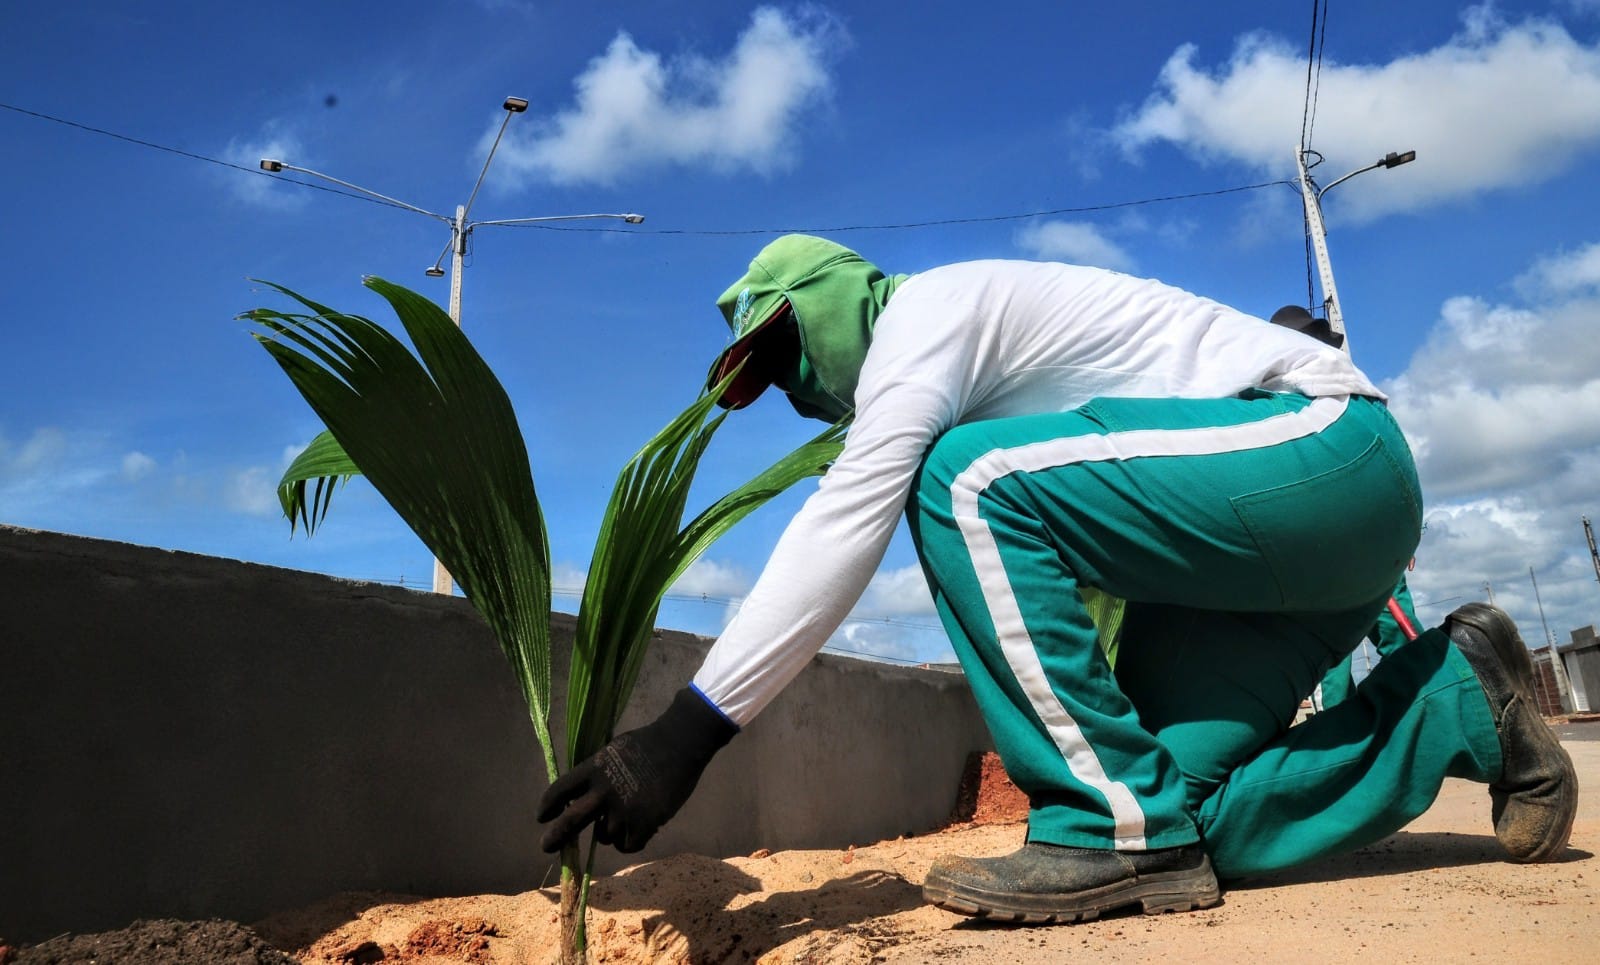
x,y
163,942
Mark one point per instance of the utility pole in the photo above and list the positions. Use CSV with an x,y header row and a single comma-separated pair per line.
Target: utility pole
x,y
1594,554
1488,591
1559,669
1319,241
460,230
1311,198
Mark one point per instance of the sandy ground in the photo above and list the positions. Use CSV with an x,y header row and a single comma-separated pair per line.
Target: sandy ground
x,y
1437,892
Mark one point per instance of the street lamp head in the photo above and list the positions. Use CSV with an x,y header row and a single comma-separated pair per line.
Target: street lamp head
x,y
633,218
268,164
1394,160
434,271
515,105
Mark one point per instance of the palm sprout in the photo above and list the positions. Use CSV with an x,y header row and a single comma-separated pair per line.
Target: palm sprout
x,y
435,434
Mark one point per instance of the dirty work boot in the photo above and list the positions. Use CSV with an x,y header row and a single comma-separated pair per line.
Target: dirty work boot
x,y
1536,797
1046,883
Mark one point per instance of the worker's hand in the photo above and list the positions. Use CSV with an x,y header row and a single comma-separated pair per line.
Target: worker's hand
x,y
638,781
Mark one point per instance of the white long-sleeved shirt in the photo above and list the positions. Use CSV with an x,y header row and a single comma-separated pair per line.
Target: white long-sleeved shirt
x,y
974,341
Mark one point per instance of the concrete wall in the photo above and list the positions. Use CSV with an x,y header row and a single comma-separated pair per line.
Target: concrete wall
x,y
187,736
1581,658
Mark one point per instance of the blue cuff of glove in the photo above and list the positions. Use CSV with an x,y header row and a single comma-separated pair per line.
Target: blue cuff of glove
x,y
692,689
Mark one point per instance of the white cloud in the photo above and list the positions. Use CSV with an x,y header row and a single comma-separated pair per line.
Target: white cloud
x,y
43,452
713,581
883,640
1502,396
1502,406
252,491
567,581
895,619
1074,241
634,109
901,592
50,466
1495,106
52,470
257,187
1564,273
136,466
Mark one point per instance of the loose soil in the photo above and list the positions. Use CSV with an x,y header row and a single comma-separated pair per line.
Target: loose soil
x,y
1439,891
163,942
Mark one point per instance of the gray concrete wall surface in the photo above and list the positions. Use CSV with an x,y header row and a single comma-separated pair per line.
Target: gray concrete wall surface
x,y
1582,662
185,736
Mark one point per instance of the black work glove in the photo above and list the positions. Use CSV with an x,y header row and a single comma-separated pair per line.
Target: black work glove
x,y
638,781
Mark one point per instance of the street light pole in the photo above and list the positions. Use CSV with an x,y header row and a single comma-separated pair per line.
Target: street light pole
x,y
1311,198
443,583
457,262
460,229
1594,552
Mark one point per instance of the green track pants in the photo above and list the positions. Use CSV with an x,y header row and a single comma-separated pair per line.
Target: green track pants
x,y
1255,540
1386,635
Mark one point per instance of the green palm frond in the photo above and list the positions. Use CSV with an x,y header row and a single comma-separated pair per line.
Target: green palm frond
x,y
435,434
322,467
642,551
1107,612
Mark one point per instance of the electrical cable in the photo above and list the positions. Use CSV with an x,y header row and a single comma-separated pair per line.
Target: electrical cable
x,y
703,598
669,231
730,601
1311,56
1316,87
835,229
192,156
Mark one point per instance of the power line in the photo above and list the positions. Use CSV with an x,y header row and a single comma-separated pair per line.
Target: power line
x,y
1316,86
577,592
833,229
190,154
703,232
728,601
1311,59
571,591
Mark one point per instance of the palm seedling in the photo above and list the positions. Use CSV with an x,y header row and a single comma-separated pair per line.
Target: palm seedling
x,y
435,434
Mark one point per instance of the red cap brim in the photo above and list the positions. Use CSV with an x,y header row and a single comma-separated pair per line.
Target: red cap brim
x,y
752,380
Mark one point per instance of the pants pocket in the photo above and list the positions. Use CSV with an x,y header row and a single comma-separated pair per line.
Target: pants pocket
x,y
1338,539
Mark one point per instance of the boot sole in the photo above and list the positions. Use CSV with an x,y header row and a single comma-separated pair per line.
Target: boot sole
x,y
1554,843
1155,894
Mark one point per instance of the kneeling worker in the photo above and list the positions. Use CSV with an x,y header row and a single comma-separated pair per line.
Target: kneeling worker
x,y
1047,427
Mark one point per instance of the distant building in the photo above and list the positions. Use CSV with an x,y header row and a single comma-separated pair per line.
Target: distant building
x,y
1570,691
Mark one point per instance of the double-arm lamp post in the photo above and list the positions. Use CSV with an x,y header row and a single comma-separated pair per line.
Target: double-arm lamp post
x,y
1311,195
460,230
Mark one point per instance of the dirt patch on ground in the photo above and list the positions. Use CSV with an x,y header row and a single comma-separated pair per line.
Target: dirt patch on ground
x,y
1438,891
164,942
986,794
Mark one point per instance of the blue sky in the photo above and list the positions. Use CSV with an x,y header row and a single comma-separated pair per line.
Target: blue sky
x,y
136,409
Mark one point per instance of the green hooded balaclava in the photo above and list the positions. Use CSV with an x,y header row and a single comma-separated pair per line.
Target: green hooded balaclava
x,y
836,296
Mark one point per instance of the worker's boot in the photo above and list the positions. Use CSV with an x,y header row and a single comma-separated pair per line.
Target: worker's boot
x,y
1536,797
1046,883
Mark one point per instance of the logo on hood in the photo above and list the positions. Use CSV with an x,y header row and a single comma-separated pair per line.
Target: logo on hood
x,y
741,313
